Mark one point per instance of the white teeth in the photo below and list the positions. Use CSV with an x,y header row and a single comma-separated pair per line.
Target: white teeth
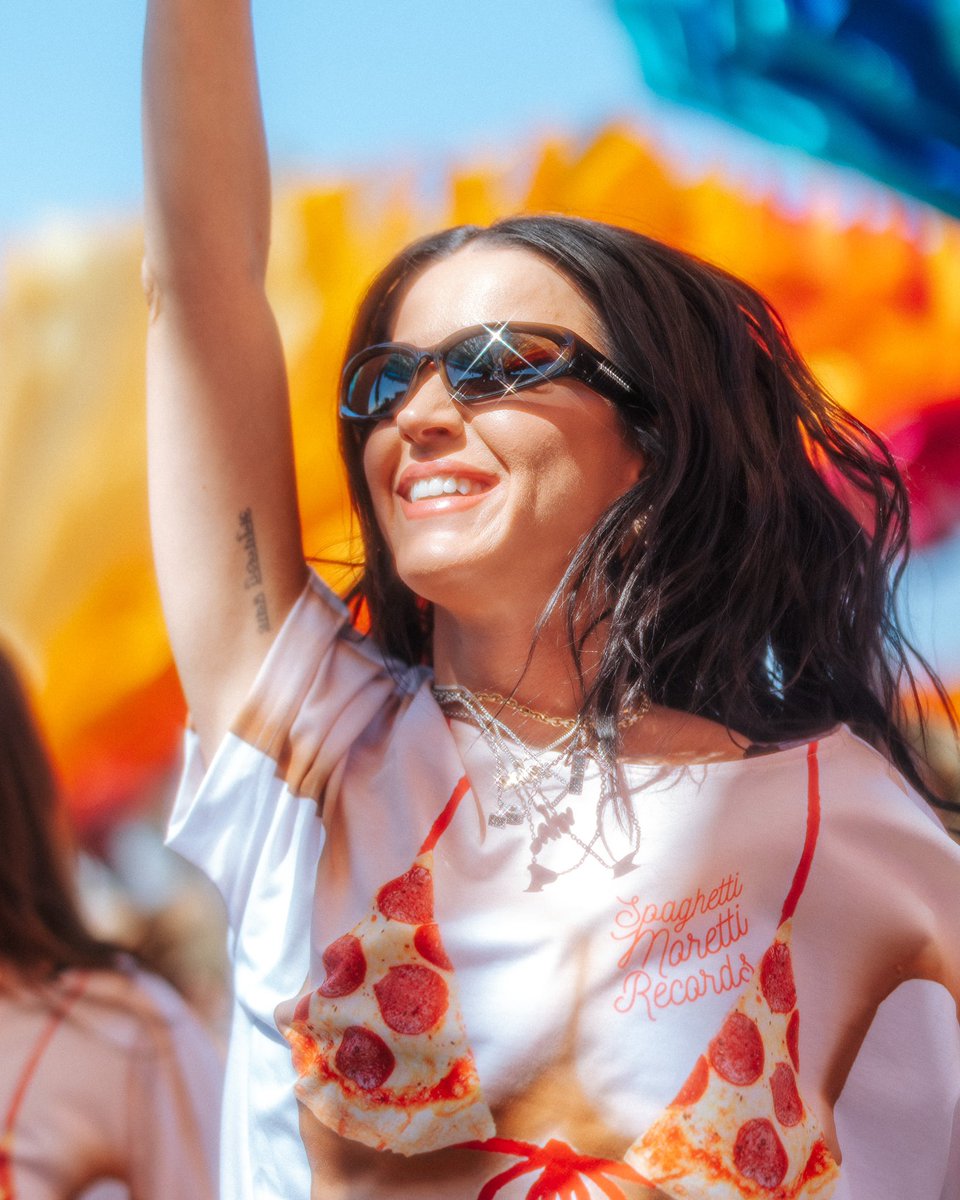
x,y
443,485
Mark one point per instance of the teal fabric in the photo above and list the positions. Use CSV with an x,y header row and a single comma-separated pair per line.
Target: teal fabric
x,y
874,84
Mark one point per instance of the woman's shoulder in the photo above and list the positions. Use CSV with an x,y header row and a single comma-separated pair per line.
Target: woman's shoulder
x,y
669,737
318,667
128,1005
856,772
122,1012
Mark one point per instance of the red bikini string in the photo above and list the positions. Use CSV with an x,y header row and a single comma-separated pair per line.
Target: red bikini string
x,y
813,830
440,824
561,1167
26,1077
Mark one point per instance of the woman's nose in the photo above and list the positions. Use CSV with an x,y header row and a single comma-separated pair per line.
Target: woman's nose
x,y
429,411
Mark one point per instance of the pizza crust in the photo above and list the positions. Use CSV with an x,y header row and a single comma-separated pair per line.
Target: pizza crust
x,y
738,1129
387,1063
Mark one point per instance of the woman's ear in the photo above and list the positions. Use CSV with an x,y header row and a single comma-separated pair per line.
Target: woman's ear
x,y
640,466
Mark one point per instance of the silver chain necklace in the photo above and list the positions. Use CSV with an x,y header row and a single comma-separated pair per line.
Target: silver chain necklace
x,y
527,773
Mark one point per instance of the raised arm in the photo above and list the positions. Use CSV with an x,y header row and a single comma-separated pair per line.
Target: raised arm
x,y
222,488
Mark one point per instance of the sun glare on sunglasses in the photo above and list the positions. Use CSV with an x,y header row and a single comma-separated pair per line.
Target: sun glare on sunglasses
x,y
478,364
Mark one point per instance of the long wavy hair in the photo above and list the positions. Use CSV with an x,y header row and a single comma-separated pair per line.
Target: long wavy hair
x,y
760,593
41,930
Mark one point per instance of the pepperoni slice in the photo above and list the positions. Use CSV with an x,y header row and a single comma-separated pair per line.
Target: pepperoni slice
x,y
793,1040
776,978
364,1057
345,966
759,1154
695,1085
412,999
737,1051
427,941
786,1099
409,897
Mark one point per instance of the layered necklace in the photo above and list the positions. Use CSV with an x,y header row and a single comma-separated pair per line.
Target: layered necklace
x,y
534,783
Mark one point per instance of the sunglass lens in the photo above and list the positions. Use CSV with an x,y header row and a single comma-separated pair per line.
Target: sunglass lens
x,y
377,387
499,361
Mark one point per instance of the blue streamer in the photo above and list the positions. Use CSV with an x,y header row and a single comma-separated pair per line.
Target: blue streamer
x,y
874,84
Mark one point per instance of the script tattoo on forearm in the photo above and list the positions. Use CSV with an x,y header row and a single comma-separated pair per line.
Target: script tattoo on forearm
x,y
252,577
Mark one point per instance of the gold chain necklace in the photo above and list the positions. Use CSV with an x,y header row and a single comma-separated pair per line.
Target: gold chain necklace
x,y
524,710
534,714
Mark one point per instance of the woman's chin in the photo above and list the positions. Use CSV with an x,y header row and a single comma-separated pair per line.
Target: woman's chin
x,y
439,581
457,583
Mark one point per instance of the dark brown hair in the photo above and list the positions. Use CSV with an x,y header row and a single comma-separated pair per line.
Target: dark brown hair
x,y
775,524
41,930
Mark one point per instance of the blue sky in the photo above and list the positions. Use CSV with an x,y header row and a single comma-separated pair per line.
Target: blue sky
x,y
346,84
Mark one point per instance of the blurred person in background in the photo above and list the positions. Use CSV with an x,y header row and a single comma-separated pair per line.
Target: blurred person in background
x,y
600,866
105,1074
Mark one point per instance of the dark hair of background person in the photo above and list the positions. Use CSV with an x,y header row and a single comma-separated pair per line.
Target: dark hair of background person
x,y
760,593
41,930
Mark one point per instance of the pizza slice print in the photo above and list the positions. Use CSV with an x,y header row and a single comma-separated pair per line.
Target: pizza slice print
x,y
379,1048
738,1128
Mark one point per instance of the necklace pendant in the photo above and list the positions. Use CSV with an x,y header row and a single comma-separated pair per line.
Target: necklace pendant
x,y
522,774
578,769
539,877
525,774
625,865
506,816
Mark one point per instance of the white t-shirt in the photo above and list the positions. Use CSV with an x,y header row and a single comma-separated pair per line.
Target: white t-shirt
x,y
105,1075
810,880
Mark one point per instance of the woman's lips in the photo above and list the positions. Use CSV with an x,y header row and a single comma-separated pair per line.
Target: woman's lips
x,y
428,489
446,502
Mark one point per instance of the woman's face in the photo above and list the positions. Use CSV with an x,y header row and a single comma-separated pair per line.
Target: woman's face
x,y
538,469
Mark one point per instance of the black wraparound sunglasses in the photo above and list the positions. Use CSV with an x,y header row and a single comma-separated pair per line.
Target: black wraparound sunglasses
x,y
483,362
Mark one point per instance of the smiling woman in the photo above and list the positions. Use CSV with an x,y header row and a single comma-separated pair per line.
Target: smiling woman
x,y
526,452
529,883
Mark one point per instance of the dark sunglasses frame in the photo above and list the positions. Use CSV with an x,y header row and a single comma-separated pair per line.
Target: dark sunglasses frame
x,y
576,358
